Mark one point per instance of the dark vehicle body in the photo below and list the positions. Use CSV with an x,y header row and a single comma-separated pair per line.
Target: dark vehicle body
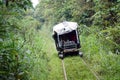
x,y
67,41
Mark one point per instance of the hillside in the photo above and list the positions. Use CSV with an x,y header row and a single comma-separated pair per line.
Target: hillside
x,y
27,49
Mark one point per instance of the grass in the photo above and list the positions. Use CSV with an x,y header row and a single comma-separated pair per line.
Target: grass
x,y
54,63
55,68
99,58
77,70
38,60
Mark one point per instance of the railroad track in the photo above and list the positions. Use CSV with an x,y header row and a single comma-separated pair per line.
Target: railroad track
x,y
90,69
66,77
64,71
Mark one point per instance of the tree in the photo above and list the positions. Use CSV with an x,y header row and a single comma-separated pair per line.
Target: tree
x,y
11,13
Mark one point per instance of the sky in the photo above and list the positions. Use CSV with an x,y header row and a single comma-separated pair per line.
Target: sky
x,y
35,2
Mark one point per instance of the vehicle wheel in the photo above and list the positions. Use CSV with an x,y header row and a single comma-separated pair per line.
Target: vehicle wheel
x,y
81,54
61,55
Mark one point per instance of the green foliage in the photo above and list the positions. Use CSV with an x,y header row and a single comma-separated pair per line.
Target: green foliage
x,y
23,47
20,46
98,47
99,29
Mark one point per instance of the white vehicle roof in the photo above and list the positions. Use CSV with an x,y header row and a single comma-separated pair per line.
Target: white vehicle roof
x,y
65,27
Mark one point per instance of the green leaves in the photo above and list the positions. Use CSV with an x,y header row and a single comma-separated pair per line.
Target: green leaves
x,y
11,39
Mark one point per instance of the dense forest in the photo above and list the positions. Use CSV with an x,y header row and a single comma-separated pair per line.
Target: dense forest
x,y
27,49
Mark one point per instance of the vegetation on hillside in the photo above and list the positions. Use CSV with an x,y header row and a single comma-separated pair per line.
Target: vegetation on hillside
x,y
99,30
25,40
21,53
